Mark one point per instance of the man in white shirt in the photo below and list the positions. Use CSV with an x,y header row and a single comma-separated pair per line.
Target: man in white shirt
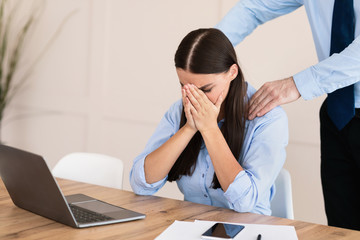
x,y
336,29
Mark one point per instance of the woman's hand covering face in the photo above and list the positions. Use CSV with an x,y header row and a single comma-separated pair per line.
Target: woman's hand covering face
x,y
199,110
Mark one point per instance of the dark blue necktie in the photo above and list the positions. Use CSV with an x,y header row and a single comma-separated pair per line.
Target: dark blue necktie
x,y
340,103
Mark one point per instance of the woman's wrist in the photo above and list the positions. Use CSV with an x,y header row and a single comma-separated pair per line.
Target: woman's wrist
x,y
188,129
211,131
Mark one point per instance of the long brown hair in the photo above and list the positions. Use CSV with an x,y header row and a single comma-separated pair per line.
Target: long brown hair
x,y
207,51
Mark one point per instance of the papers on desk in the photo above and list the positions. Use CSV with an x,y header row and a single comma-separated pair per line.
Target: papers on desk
x,y
180,230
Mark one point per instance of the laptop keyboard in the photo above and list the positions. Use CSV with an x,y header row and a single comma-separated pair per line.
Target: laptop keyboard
x,y
83,215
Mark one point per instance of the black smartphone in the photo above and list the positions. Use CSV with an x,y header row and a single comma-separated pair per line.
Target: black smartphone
x,y
222,231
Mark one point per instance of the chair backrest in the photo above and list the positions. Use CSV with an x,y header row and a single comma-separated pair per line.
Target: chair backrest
x,y
281,204
91,168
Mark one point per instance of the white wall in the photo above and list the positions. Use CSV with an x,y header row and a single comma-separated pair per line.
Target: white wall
x,y
108,78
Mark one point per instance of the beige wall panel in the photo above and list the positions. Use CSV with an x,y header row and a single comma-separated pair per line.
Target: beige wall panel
x,y
47,133
63,69
303,163
47,115
141,41
125,140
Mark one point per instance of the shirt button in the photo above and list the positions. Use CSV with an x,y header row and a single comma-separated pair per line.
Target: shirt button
x,y
203,175
205,195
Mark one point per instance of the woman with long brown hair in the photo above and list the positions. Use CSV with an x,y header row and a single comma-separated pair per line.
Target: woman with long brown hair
x,y
205,142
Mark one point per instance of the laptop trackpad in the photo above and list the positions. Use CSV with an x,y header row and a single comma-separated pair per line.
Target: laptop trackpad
x,y
108,209
98,206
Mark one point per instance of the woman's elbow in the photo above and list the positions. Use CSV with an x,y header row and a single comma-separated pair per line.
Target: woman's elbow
x,y
247,202
243,206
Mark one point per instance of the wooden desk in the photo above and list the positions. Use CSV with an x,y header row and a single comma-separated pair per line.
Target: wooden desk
x,y
16,223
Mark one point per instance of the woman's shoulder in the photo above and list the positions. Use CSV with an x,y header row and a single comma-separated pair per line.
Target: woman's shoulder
x,y
273,125
176,107
173,114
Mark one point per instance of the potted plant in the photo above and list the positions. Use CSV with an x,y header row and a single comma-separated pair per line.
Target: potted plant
x,y
11,49
10,53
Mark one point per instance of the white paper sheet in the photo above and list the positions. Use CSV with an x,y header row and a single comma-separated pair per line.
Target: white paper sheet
x,y
180,230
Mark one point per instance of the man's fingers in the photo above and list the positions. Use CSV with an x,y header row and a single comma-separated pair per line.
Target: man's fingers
x,y
268,107
259,107
272,94
259,101
256,99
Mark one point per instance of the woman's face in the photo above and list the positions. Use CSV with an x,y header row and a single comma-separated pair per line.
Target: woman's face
x,y
211,84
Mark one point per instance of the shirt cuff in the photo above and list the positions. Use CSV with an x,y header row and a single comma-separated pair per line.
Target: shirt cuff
x,y
239,187
306,84
141,180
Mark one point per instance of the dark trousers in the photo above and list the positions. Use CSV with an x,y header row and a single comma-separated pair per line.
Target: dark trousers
x,y
340,171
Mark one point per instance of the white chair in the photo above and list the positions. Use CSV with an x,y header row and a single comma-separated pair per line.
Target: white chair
x,y
281,204
91,168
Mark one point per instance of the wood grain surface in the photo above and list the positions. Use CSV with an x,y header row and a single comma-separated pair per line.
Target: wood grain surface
x,y
16,223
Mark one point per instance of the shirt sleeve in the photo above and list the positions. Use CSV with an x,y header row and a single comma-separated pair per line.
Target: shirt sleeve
x,y
246,15
262,162
167,127
337,71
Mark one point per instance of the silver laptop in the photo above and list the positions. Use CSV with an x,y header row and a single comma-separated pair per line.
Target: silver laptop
x,y
32,187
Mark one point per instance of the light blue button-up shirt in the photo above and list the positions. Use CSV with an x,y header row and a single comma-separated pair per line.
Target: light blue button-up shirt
x,y
331,73
262,157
